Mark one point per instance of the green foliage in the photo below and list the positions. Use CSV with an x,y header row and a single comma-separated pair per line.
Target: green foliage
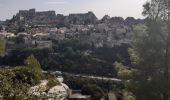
x,y
73,56
52,82
14,83
122,71
127,96
93,90
150,54
72,53
77,83
2,46
147,56
35,68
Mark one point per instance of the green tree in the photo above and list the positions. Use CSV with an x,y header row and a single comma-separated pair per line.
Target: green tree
x,y
2,46
14,83
150,54
35,67
93,90
122,71
52,82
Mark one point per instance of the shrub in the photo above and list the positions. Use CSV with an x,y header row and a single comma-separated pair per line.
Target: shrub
x,y
52,82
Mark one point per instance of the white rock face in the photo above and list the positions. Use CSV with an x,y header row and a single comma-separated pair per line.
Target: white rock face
x,y
59,91
60,79
38,89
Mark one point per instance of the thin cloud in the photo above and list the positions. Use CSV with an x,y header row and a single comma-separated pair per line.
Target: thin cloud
x,y
56,2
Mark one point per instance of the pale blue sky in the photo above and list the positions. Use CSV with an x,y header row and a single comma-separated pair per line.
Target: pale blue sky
x,y
122,8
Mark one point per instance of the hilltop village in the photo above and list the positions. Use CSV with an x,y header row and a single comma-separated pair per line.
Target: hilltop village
x,y
38,29
79,47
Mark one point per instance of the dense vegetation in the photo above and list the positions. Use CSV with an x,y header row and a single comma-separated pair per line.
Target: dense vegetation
x,y
15,82
94,87
74,57
149,77
2,46
144,67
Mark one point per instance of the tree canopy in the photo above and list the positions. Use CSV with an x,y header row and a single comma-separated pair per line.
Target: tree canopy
x,y
2,46
150,54
35,67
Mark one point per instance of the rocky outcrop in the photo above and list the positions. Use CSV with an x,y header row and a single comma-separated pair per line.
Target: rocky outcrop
x,y
117,20
129,21
132,21
44,17
81,19
31,17
60,90
105,19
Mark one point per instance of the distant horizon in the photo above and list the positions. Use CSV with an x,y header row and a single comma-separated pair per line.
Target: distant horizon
x,y
122,8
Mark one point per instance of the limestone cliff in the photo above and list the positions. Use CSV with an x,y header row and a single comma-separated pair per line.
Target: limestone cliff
x,y
32,17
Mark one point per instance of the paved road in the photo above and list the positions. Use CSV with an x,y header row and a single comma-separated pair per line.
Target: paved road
x,y
94,77
88,76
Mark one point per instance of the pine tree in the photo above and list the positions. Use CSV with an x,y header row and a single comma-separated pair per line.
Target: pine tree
x,y
150,54
35,67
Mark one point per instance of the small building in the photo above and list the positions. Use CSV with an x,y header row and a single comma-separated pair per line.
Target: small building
x,y
42,44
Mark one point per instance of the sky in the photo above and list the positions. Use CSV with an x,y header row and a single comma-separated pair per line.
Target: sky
x,y
122,8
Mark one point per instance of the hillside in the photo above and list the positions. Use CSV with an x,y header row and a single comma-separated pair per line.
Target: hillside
x,y
77,43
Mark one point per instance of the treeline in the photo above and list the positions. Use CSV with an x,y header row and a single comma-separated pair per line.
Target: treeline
x,y
73,56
